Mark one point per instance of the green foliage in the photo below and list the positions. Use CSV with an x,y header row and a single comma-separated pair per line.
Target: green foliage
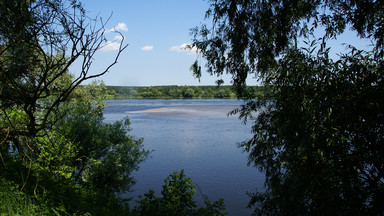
x,y
178,192
196,70
188,93
177,199
14,203
57,155
81,161
318,132
39,41
320,141
223,93
106,155
178,92
46,167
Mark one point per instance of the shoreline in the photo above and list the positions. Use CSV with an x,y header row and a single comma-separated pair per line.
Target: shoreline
x,y
192,110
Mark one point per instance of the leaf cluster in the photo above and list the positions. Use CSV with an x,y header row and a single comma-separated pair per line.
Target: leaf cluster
x,y
318,139
39,41
57,154
171,92
177,199
80,162
248,36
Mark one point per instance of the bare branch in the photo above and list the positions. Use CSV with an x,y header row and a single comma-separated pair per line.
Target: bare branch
x,y
52,37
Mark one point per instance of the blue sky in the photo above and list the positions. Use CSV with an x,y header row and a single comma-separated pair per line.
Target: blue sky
x,y
155,31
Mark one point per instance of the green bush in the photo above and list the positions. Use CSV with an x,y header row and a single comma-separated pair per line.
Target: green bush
x,y
177,199
12,202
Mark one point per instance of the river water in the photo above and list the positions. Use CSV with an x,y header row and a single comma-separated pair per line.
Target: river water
x,y
195,135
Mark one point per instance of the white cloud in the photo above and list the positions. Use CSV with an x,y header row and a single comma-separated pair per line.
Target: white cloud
x,y
184,48
118,38
120,27
110,46
147,48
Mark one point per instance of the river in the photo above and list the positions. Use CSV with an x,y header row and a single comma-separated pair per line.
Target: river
x,y
195,135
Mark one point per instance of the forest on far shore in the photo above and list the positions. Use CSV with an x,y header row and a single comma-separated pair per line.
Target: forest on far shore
x,y
173,91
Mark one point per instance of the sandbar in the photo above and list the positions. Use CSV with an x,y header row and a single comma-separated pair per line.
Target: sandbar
x,y
191,110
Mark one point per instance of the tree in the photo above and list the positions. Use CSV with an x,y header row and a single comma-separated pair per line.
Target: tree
x,y
82,163
56,154
39,41
188,92
223,93
105,154
319,139
177,199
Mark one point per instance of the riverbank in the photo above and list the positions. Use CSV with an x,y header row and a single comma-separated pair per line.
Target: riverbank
x,y
179,92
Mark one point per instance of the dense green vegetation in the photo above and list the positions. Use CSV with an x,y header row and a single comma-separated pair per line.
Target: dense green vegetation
x,y
173,92
320,140
177,199
57,155
181,92
318,133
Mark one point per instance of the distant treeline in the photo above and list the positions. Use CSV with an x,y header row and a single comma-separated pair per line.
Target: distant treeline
x,y
178,91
